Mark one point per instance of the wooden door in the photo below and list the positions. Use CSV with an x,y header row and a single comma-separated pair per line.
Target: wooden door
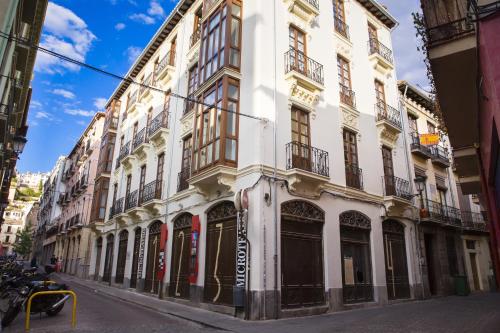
x,y
344,74
380,95
108,260
302,282
373,38
396,268
356,265
122,257
301,147
353,177
151,283
431,271
159,175
220,262
179,283
98,258
475,271
135,258
298,51
390,186
173,47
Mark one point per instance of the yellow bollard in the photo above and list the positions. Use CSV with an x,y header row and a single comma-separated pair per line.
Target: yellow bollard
x,y
52,292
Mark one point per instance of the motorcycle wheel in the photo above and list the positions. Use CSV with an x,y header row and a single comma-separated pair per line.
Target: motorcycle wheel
x,y
55,311
10,315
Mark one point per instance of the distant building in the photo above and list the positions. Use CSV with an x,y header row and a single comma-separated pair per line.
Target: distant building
x,y
14,220
31,179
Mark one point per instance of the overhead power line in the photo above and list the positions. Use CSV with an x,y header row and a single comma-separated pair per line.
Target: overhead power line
x,y
116,76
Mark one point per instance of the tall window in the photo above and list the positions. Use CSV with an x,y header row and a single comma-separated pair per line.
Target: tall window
x,y
186,153
192,84
380,92
431,128
372,32
149,117
173,48
100,199
298,51
142,182
129,184
235,33
115,192
344,73
353,173
388,171
136,127
339,16
216,132
159,174
412,123
301,155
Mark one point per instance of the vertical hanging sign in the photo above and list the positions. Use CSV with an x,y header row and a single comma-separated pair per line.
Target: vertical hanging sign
x,y
163,256
193,263
141,253
241,250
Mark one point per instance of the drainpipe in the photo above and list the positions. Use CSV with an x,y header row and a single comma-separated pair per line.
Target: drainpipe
x,y
275,167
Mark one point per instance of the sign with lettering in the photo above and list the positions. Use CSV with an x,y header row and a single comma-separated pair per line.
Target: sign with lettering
x,y
141,253
430,139
241,249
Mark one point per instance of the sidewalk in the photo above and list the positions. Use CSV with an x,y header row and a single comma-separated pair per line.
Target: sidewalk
x,y
203,317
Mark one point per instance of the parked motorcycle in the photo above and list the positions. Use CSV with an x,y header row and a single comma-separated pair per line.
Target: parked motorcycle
x,y
50,304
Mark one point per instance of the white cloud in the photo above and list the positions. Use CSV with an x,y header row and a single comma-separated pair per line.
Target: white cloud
x,y
142,18
79,112
120,26
155,11
132,53
65,33
81,123
64,93
100,103
43,115
35,104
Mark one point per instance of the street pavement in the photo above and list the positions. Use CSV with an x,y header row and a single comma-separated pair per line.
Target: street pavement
x,y
107,309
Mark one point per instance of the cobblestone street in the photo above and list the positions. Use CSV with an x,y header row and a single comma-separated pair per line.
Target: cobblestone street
x,y
107,309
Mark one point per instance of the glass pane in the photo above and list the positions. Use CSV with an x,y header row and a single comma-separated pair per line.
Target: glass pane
x,y
232,92
231,149
219,116
236,10
217,149
231,119
235,32
234,58
209,154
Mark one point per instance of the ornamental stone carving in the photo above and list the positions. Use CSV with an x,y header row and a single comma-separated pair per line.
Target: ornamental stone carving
x,y
302,211
303,95
222,211
183,221
355,219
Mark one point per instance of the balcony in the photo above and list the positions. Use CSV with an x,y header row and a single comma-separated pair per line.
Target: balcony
x,y
116,208
125,158
305,76
158,129
212,181
380,56
341,28
140,144
131,200
397,196
195,38
150,196
436,212
164,69
474,222
439,156
388,121
307,10
145,90
132,102
307,168
347,96
354,176
449,31
419,149
182,179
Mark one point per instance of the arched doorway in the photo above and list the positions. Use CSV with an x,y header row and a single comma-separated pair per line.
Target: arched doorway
x,y
122,256
396,268
108,259
302,280
179,283
135,257
98,258
220,261
151,283
357,278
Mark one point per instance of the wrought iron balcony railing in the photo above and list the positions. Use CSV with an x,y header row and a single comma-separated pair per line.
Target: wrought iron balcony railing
x,y
150,192
347,96
314,3
158,122
182,179
195,37
397,187
441,154
307,158
416,145
132,99
341,27
387,113
474,221
139,139
131,200
124,151
298,62
448,31
146,84
167,60
354,176
374,46
442,213
116,208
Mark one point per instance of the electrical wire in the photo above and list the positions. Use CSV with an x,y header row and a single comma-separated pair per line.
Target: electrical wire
x,y
119,77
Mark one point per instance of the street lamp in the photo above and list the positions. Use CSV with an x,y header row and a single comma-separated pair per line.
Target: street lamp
x,y
19,142
420,184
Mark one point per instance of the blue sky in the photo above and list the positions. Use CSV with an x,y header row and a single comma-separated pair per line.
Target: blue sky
x,y
110,34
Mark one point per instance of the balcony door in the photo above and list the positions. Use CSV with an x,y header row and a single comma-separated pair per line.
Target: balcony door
x,y
373,38
159,175
396,268
353,176
301,147
297,43
388,171
380,94
173,47
142,182
344,74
